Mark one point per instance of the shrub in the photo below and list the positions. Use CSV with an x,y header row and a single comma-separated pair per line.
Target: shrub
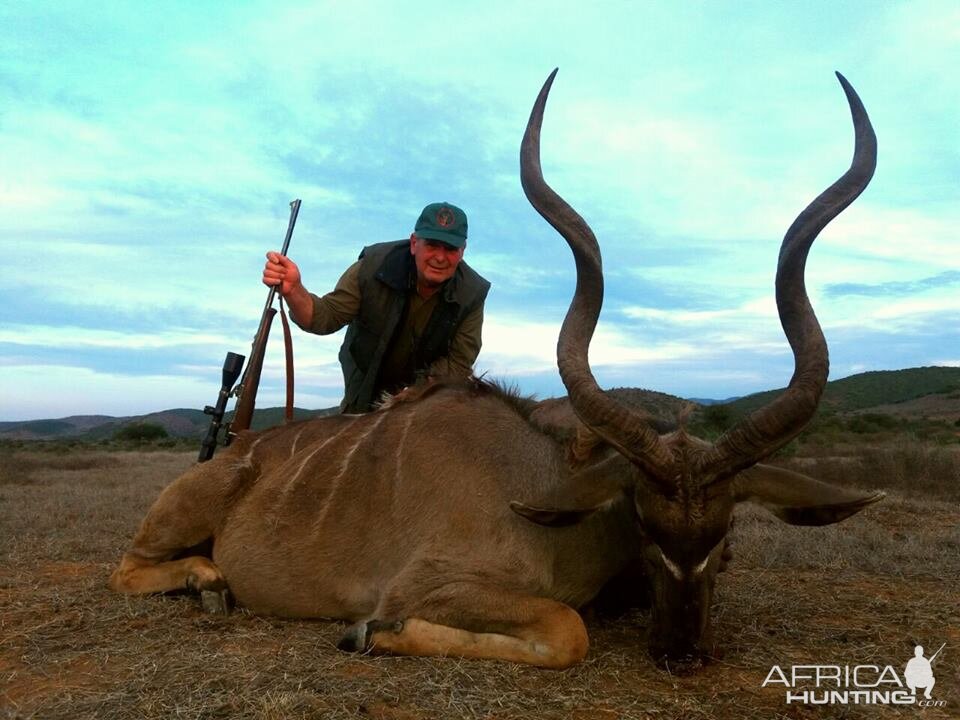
x,y
872,423
717,419
141,432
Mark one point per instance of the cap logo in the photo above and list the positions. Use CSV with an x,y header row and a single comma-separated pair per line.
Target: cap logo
x,y
445,217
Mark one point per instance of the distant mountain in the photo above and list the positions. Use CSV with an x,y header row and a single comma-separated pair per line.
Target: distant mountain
x,y
710,401
932,392
180,422
31,429
918,392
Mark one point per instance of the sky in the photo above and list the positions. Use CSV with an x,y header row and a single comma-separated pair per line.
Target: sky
x,y
150,151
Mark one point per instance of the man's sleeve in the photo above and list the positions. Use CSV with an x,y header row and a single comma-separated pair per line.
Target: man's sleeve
x,y
337,308
464,348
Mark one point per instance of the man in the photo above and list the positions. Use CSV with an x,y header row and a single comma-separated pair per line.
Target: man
x,y
414,309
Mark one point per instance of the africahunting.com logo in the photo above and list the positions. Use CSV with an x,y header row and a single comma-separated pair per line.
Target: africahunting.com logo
x,y
859,684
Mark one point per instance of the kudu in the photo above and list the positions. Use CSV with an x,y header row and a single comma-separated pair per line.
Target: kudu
x,y
459,519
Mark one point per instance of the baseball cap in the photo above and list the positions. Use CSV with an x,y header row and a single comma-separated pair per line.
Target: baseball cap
x,y
444,222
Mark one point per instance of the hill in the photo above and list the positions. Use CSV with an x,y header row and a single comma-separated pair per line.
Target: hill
x,y
179,423
915,392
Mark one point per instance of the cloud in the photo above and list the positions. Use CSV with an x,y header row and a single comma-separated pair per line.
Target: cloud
x,y
762,308
152,152
518,347
79,337
69,390
942,280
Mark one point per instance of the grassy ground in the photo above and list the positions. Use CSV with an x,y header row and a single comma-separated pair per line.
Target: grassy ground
x,y
863,592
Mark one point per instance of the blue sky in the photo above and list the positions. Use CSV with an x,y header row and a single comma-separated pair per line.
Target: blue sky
x,y
150,152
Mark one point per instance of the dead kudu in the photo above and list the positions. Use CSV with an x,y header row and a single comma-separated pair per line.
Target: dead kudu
x,y
462,520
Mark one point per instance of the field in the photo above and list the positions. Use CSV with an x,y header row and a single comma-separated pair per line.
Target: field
x,y
862,592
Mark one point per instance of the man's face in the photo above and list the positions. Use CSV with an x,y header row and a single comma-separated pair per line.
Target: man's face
x,y
436,261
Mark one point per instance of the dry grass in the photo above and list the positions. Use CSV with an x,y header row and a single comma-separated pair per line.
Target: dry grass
x,y
905,465
864,591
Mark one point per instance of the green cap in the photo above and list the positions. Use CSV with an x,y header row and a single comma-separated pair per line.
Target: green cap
x,y
444,222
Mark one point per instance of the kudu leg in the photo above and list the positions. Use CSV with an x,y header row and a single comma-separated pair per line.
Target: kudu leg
x,y
183,517
502,626
137,575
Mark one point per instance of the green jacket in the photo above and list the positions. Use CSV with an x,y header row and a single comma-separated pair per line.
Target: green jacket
x,y
387,276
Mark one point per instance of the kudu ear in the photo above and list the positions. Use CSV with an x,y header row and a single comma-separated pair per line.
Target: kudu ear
x,y
585,491
798,499
551,517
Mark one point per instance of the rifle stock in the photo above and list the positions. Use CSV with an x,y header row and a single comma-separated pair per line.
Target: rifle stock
x,y
246,391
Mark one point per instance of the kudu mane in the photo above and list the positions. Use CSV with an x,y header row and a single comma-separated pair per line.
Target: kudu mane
x,y
509,394
553,417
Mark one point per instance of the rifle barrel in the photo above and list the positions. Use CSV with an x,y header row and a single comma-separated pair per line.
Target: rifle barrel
x,y
937,653
294,211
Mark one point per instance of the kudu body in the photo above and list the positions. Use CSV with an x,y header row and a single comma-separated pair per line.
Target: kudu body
x,y
461,520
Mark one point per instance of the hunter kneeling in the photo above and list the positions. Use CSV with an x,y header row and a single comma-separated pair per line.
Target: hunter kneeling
x,y
414,308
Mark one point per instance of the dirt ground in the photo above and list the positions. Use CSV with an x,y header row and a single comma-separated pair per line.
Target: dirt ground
x,y
864,592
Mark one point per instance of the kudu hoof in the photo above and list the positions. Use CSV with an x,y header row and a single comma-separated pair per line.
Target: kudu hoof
x,y
357,637
216,602
683,666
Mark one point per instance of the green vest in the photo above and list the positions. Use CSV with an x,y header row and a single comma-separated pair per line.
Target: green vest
x,y
387,277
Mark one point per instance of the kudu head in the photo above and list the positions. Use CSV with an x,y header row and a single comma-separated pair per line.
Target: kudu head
x,y
685,489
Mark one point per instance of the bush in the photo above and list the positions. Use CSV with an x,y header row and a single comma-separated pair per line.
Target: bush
x,y
141,432
718,417
872,423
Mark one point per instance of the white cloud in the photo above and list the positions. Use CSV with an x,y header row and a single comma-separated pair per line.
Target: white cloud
x,y
148,171
72,337
755,310
514,347
924,241
50,391
889,315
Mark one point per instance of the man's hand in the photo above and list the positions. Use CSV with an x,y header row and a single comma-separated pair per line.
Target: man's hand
x,y
283,274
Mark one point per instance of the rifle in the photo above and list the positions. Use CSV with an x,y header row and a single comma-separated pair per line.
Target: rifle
x,y
934,656
246,391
